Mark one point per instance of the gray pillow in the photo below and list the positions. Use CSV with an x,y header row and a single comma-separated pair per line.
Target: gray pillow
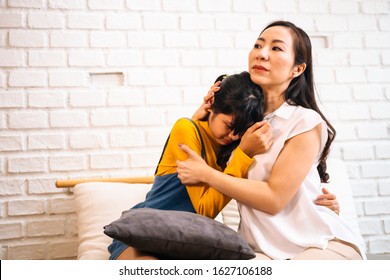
x,y
172,234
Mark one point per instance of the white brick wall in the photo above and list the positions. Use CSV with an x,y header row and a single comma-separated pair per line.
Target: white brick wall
x,y
92,87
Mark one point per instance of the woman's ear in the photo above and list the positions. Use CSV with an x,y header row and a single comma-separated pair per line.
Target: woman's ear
x,y
299,69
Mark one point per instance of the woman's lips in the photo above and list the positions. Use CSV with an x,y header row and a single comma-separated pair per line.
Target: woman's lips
x,y
260,68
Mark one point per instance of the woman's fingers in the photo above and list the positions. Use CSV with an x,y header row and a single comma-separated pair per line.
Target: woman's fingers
x,y
328,200
215,87
187,150
209,98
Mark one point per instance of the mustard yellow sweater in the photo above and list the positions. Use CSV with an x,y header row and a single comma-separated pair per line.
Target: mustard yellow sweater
x,y
206,200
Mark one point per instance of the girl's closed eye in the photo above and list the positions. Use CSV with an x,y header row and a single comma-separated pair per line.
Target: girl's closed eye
x,y
229,126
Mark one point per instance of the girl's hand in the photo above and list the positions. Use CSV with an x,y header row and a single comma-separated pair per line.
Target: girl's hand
x,y
193,170
257,139
203,110
328,200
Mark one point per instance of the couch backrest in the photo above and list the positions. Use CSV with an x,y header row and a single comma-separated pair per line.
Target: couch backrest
x,y
98,204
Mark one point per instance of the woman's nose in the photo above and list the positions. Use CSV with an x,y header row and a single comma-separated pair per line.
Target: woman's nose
x,y
262,53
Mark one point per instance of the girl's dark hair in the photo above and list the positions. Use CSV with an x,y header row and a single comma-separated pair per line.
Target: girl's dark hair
x,y
240,97
301,89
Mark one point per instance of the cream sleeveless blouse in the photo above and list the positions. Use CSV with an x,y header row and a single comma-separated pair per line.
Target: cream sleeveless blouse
x,y
301,224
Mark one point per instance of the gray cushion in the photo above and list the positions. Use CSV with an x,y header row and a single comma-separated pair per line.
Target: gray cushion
x,y
172,234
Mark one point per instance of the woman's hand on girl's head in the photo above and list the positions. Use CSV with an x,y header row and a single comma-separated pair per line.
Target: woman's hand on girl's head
x,y
193,170
208,100
257,139
328,200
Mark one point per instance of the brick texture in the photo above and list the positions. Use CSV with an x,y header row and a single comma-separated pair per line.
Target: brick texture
x,y
60,118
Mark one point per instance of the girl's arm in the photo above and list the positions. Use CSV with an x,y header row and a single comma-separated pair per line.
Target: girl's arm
x,y
290,169
257,139
209,201
205,200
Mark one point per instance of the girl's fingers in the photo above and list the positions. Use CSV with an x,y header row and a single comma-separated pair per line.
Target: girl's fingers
x,y
256,126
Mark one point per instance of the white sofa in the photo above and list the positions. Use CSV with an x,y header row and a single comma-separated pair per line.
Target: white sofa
x,y
99,203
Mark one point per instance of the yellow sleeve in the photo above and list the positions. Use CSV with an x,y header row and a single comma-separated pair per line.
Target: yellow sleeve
x,y
206,200
239,164
183,132
209,201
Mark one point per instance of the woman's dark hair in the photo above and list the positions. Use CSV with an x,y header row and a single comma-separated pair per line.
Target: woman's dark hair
x,y
301,89
240,97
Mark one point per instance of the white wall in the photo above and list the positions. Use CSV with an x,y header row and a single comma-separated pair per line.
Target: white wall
x,y
92,87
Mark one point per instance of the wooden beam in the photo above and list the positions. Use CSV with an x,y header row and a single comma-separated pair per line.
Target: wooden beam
x,y
70,183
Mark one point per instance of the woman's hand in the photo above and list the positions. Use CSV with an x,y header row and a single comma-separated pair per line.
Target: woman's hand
x,y
203,110
193,170
328,200
257,139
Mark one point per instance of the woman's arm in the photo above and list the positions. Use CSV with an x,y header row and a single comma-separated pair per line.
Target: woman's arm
x,y
288,173
202,112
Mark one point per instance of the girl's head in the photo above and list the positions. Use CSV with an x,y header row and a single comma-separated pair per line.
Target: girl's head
x,y
237,105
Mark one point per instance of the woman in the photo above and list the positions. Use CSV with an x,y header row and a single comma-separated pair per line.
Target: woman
x,y
278,217
238,104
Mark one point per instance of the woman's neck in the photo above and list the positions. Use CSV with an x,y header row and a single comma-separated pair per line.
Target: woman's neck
x,y
272,101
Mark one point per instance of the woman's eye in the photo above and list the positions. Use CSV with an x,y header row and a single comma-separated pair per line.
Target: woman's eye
x,y
276,49
257,46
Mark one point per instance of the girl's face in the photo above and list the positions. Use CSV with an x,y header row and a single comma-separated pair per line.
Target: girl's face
x,y
221,128
271,61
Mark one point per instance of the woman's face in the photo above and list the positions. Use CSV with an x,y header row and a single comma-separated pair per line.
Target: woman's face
x,y
221,128
271,61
